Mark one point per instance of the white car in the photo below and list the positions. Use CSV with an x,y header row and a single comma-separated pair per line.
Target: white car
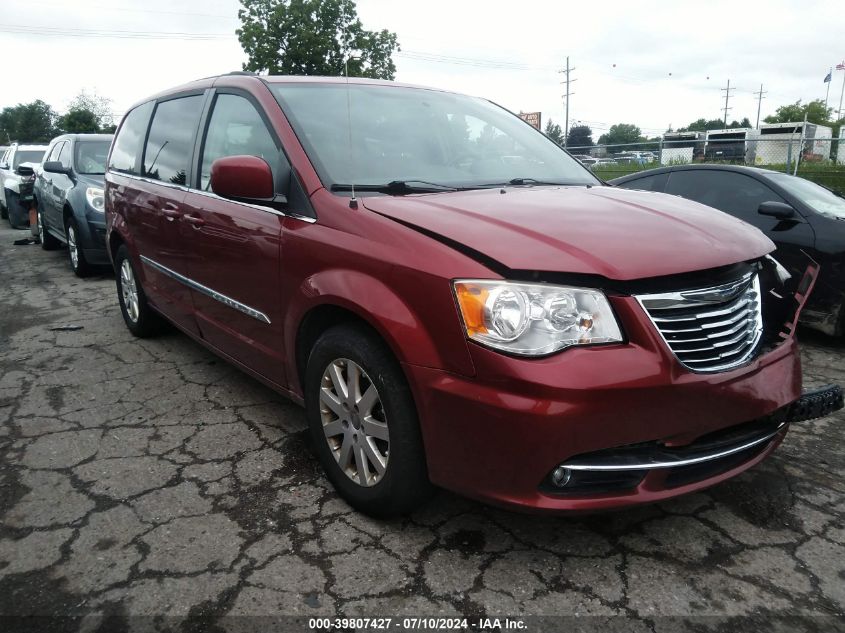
x,y
16,159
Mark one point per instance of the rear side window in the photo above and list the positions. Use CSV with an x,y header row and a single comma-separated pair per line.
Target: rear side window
x,y
170,140
128,141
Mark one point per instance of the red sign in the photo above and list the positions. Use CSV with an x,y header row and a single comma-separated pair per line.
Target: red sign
x,y
531,118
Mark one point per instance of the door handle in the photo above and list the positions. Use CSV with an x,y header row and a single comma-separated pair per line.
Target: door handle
x,y
194,220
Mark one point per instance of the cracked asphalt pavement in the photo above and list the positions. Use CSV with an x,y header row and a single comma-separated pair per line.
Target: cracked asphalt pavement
x,y
148,481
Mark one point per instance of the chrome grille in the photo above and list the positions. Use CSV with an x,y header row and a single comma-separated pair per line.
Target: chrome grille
x,y
709,329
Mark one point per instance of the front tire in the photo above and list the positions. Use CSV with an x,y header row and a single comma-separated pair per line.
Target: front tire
x,y
48,242
13,210
139,317
363,423
78,263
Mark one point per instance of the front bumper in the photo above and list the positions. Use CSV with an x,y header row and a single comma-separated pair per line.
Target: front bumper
x,y
93,240
499,435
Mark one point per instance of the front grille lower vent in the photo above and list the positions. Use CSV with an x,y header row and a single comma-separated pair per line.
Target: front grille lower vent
x,y
709,329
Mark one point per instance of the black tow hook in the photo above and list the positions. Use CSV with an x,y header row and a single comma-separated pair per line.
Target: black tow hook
x,y
816,403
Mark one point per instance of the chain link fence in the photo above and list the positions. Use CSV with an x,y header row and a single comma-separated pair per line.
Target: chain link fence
x,y
821,160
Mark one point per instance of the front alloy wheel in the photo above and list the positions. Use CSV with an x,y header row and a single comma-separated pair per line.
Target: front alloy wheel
x,y
77,258
363,422
129,290
354,422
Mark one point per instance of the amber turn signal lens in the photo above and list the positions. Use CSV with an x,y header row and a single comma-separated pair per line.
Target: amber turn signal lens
x,y
471,300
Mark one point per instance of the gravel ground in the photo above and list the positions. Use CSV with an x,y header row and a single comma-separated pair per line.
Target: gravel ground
x,y
148,484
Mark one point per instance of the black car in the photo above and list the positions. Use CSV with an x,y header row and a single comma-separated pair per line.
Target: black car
x,y
69,199
797,214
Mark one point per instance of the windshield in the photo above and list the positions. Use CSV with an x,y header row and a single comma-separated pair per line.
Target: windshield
x,y
814,196
419,135
27,156
91,157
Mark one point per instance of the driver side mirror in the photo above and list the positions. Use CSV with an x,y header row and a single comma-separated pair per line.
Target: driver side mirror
x,y
244,178
24,170
779,210
55,167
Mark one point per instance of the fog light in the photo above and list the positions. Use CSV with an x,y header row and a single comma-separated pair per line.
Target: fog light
x,y
561,476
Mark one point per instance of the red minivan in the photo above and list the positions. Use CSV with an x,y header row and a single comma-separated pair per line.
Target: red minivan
x,y
454,299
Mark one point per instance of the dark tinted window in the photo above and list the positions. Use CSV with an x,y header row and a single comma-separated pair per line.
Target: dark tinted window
x,y
91,157
236,129
731,192
169,143
27,156
129,139
655,182
64,155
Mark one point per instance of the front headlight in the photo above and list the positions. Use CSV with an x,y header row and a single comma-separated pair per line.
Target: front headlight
x,y
534,319
95,198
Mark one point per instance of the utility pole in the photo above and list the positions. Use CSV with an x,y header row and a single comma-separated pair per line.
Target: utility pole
x,y
759,94
566,96
841,94
727,92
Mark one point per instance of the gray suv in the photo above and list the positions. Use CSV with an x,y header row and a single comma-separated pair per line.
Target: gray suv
x,y
69,199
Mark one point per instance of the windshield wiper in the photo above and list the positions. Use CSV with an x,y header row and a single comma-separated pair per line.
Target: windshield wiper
x,y
397,187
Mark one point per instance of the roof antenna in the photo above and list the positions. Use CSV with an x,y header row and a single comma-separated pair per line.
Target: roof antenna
x,y
353,201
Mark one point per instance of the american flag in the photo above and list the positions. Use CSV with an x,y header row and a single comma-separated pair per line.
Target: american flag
x,y
840,66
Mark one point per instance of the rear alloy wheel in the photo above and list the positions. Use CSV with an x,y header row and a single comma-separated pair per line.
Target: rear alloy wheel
x,y
139,317
364,424
48,242
77,258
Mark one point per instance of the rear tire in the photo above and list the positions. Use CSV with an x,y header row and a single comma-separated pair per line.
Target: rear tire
x,y
48,242
139,317
364,424
4,215
78,263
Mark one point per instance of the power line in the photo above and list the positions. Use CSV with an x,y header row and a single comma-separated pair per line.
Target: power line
x,y
110,33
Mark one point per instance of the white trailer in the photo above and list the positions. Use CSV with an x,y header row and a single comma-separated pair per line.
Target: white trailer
x,y
840,152
778,142
728,145
681,147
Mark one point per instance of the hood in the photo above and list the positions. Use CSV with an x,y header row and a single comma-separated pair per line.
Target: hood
x,y
616,233
92,180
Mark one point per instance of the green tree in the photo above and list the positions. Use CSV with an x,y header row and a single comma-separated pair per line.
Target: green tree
x,y
794,112
79,121
580,136
100,107
313,37
554,132
621,134
28,123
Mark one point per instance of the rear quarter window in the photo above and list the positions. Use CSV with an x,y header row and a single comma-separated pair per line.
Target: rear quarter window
x,y
127,143
655,182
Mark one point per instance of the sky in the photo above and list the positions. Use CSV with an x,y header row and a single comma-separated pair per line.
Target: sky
x,y
653,63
